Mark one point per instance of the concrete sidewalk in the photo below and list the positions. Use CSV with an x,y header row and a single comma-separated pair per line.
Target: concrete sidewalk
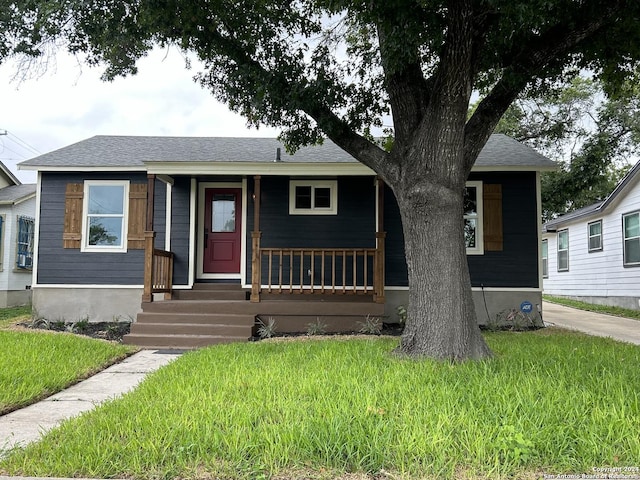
x,y
599,324
28,424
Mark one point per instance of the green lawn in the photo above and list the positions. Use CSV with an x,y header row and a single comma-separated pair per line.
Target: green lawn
x,y
12,315
550,401
591,307
35,364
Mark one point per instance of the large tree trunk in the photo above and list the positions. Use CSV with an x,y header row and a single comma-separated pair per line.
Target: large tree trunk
x,y
441,320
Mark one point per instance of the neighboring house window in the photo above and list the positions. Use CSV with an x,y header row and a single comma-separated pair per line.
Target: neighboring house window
x,y
631,228
545,258
595,236
26,228
105,210
1,241
563,250
313,197
473,218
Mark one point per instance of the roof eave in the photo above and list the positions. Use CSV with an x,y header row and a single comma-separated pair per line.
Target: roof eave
x,y
513,168
259,168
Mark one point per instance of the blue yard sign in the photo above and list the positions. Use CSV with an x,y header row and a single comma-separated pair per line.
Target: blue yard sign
x,y
526,307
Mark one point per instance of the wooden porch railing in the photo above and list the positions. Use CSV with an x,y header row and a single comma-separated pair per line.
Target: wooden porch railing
x,y
354,271
158,270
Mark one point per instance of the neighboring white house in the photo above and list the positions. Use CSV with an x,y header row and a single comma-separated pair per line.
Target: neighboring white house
x,y
593,254
17,210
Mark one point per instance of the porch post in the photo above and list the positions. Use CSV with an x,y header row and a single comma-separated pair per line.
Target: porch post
x,y
149,241
256,274
378,295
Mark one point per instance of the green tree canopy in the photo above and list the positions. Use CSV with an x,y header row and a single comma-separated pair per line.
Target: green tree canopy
x,y
593,134
335,67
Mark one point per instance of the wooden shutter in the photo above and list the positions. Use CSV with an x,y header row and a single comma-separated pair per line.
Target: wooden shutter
x,y
72,234
137,215
492,213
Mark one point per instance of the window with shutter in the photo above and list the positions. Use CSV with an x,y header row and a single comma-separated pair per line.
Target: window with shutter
x,y
100,214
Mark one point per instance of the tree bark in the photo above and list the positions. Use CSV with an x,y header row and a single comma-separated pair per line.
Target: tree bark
x,y
441,320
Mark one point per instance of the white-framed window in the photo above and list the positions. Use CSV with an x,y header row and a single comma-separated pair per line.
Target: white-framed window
x,y
24,242
631,232
563,250
473,235
313,197
594,232
545,258
104,220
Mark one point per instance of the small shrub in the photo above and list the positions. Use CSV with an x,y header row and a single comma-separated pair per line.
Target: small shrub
x,y
516,320
81,326
317,327
266,330
401,311
371,326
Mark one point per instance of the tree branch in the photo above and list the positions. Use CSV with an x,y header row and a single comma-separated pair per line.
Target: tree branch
x,y
541,51
306,100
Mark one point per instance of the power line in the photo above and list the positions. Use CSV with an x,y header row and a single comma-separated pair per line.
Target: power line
x,y
24,150
23,143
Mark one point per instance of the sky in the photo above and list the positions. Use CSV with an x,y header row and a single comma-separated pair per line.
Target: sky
x,y
69,103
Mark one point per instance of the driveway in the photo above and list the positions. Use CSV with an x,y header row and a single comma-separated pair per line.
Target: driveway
x,y
618,328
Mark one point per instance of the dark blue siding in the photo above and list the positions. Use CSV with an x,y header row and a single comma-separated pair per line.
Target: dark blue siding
x,y
352,227
515,266
180,232
57,265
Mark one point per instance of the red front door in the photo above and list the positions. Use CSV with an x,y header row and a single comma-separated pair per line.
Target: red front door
x,y
222,230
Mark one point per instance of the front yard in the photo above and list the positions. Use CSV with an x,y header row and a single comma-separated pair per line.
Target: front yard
x,y
35,364
549,402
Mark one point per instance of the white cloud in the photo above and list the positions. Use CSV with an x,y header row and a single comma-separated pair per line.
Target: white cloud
x,y
71,103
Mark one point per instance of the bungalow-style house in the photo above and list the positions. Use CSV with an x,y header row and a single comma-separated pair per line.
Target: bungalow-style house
x,y
593,254
214,234
17,226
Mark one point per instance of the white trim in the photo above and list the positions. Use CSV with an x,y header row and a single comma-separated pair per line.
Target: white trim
x,y
332,185
539,231
167,218
18,201
90,286
243,238
124,232
479,248
193,218
165,179
84,168
479,289
202,186
36,239
523,168
259,168
589,236
563,230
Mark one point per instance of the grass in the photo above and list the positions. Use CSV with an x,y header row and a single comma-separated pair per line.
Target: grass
x,y
609,310
11,315
36,364
550,401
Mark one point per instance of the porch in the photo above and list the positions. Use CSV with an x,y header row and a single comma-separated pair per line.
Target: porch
x,y
336,287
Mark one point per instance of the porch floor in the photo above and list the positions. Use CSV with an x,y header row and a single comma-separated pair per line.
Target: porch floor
x,y
213,313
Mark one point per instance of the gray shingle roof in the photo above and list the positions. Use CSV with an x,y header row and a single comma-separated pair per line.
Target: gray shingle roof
x,y
132,151
15,193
